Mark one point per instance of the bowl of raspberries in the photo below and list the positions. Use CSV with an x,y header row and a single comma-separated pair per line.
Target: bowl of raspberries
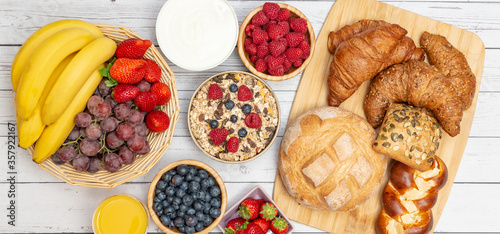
x,y
255,213
187,196
276,41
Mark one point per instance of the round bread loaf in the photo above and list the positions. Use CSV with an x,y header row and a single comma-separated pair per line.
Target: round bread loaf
x,y
326,160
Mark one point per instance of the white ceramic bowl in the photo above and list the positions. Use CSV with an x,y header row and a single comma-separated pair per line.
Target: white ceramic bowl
x,y
197,34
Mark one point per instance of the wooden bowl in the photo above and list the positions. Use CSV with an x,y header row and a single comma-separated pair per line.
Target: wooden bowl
x,y
294,12
159,142
198,165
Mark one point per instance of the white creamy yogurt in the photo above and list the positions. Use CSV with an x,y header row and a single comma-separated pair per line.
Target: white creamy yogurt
x,y
197,34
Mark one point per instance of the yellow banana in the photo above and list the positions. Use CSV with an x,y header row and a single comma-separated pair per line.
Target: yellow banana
x,y
43,62
74,76
38,37
32,128
53,135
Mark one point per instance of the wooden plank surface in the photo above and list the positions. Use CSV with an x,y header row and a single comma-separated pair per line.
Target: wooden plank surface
x,y
47,205
313,92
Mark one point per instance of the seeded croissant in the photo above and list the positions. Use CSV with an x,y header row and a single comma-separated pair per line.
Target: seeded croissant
x,y
363,50
446,88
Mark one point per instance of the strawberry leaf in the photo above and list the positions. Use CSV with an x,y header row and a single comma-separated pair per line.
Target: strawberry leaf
x,y
111,82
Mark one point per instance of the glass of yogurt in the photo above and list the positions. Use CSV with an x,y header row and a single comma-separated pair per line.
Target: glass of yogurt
x,y
197,34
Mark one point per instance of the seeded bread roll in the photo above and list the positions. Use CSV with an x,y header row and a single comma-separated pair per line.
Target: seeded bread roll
x,y
326,160
409,135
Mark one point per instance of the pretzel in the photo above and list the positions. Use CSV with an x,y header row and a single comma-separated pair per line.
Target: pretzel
x,y
408,198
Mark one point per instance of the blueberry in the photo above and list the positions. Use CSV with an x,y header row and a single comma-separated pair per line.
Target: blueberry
x,y
214,191
158,191
182,229
170,199
211,181
199,194
199,215
198,205
171,225
172,172
175,206
173,215
205,183
182,169
188,177
233,118
191,211
191,220
199,227
207,220
214,123
229,104
183,207
233,88
190,230
181,213
194,186
215,202
165,220
184,185
159,213
170,191
180,193
179,222
246,109
161,196
206,207
177,180
177,200
203,174
165,203
208,197
169,210
242,132
157,206
166,177
214,212
156,199
187,200
197,178
192,170
161,185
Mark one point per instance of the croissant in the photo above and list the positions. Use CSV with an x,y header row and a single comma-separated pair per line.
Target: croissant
x,y
348,31
408,198
363,55
447,88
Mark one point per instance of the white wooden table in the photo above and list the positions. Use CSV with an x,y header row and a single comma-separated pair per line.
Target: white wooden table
x,y
44,204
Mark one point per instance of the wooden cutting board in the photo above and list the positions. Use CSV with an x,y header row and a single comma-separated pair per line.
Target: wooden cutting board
x,y
312,92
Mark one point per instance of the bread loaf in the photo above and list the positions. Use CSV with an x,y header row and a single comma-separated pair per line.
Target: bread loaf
x,y
326,160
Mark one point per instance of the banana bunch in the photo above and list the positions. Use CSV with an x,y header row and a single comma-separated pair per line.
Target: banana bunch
x,y
53,74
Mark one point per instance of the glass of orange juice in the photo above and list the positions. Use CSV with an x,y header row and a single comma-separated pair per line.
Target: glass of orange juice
x,y
120,214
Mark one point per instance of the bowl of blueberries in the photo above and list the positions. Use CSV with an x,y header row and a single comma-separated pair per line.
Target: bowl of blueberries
x,y
187,196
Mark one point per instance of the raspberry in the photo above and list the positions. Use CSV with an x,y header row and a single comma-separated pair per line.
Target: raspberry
x,y
253,120
251,49
273,62
285,26
244,93
232,144
218,135
250,28
263,49
304,46
292,54
283,14
287,64
260,36
260,65
271,22
248,41
271,10
297,63
298,24
214,92
260,18
253,58
277,47
294,38
277,71
275,32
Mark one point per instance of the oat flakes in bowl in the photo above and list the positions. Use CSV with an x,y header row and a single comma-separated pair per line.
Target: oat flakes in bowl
x,y
233,117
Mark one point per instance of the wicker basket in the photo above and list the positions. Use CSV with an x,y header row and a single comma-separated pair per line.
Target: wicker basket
x,y
159,142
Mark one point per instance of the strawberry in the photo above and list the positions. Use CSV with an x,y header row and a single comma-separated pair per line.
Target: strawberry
x,y
294,38
244,93
274,62
260,18
146,101
157,121
253,120
264,225
234,225
218,135
260,65
298,24
153,71
128,71
260,36
292,54
253,228
214,92
250,28
132,48
279,225
275,31
249,209
283,14
162,92
125,93
268,211
277,71
304,46
251,49
277,47
263,49
271,10
232,144
297,63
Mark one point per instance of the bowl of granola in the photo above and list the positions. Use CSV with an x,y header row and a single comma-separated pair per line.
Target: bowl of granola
x,y
234,117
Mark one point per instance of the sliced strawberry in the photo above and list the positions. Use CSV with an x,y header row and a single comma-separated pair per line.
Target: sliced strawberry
x,y
132,48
